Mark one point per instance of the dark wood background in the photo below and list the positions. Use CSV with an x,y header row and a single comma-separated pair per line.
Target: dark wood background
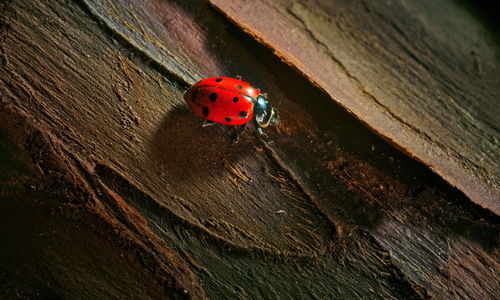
x,y
382,180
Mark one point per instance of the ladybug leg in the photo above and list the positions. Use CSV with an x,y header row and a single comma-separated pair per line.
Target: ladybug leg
x,y
237,133
238,77
206,123
264,136
243,127
256,124
234,137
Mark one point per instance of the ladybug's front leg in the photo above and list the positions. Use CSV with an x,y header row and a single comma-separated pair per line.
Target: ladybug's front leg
x,y
257,125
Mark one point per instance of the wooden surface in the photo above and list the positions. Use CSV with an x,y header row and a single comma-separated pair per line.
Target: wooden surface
x,y
102,157
423,75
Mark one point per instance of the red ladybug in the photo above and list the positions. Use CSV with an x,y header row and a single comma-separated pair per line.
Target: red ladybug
x,y
230,101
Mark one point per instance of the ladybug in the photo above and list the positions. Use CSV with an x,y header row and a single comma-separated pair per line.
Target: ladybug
x,y
230,101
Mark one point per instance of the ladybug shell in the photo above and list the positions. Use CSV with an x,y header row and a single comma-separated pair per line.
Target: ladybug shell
x,y
222,100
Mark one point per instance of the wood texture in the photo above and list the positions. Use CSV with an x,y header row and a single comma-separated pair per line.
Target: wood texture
x,y
101,154
423,75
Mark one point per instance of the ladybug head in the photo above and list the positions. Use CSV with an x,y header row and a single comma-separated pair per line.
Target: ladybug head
x,y
265,114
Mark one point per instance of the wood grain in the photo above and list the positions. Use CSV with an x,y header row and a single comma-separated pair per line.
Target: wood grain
x,y
95,127
422,75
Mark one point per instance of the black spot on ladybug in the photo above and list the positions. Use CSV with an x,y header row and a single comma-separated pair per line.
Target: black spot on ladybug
x,y
204,111
239,87
235,99
218,79
228,120
213,97
243,114
193,96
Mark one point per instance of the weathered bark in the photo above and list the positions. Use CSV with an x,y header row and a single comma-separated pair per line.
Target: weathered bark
x,y
101,155
422,74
